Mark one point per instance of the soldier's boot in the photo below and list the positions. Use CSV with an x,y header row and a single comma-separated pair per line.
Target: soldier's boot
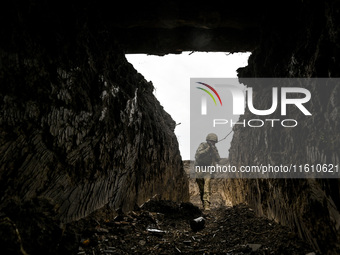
x,y
206,205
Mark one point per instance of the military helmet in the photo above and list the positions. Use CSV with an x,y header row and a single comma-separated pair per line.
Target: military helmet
x,y
212,137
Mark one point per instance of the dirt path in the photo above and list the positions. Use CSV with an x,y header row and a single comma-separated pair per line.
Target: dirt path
x,y
163,227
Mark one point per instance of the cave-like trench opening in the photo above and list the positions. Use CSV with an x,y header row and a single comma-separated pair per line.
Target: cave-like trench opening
x,y
170,75
73,146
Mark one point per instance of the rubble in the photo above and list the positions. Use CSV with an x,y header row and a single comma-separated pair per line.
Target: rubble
x,y
164,227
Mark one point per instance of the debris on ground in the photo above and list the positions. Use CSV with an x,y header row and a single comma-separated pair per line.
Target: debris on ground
x,y
163,227
197,224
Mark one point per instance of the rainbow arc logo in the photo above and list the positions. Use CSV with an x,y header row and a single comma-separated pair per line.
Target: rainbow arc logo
x,y
209,93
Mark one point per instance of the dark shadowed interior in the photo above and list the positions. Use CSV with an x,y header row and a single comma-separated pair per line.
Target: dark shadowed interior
x,y
81,131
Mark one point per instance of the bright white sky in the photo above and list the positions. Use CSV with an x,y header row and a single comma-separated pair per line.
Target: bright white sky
x,y
171,75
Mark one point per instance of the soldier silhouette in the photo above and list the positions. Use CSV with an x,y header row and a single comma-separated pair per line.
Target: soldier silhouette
x,y
206,155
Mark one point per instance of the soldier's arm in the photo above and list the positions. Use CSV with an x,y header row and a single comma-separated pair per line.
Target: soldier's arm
x,y
215,153
203,149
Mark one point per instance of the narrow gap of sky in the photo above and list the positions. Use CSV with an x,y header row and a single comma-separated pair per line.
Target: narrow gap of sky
x,y
170,75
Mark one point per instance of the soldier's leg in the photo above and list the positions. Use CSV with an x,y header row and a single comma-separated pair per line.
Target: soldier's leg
x,y
200,183
206,195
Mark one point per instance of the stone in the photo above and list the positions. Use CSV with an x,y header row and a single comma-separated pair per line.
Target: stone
x,y
254,247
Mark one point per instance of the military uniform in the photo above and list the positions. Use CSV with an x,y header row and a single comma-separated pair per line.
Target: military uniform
x,y
206,155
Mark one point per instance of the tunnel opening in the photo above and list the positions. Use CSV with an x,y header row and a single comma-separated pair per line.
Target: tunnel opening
x,y
170,75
